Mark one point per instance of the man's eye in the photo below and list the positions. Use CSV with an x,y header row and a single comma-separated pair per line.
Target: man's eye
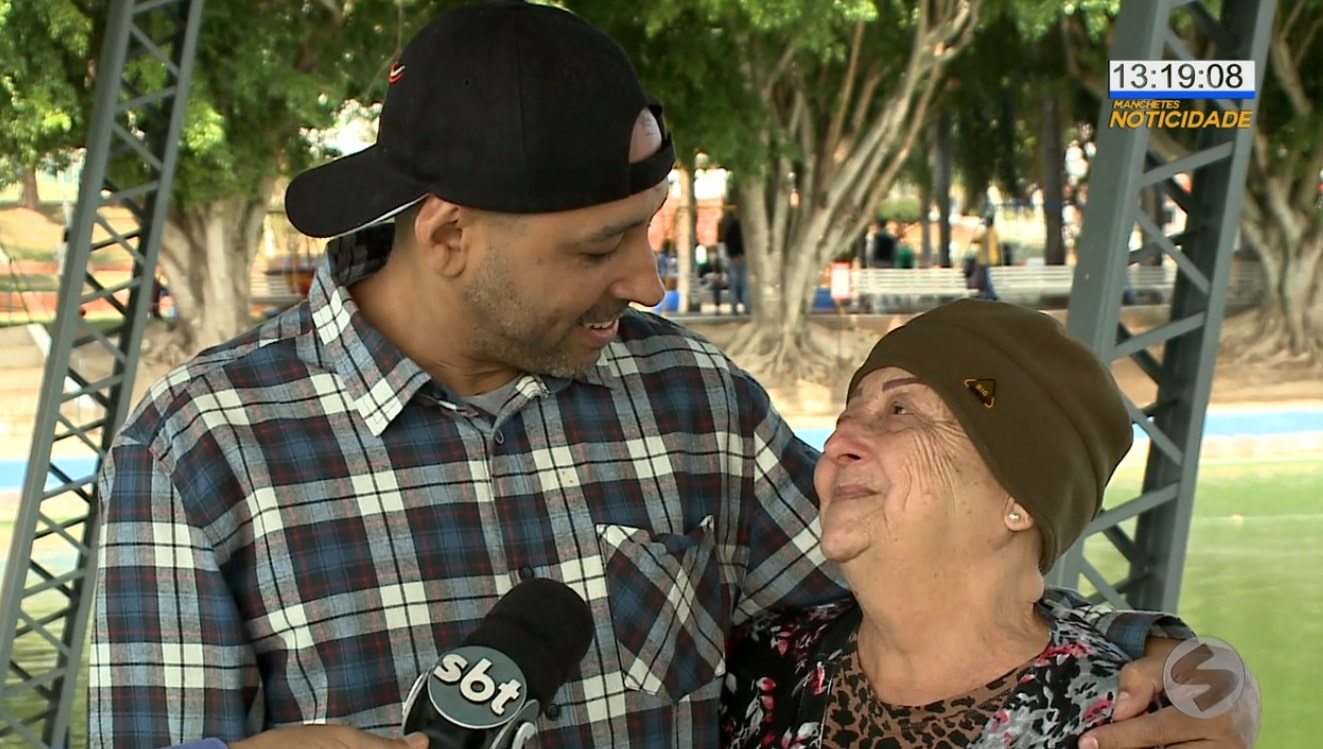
x,y
899,409
599,257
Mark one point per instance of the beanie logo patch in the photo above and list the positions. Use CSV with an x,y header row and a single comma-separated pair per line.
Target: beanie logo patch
x,y
984,389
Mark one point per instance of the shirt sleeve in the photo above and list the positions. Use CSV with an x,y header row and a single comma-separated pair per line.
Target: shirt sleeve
x,y
1130,630
785,567
169,658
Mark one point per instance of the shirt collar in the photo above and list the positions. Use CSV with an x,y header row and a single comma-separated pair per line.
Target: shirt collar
x,y
378,378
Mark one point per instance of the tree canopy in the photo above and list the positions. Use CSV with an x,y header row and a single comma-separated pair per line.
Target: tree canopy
x,y
815,107
44,67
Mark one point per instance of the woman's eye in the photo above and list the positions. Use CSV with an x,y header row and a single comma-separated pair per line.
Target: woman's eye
x,y
899,409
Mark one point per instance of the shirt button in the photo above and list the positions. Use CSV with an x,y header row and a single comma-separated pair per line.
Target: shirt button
x,y
500,437
526,572
553,711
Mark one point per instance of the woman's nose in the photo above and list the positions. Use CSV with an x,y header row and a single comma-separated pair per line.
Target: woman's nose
x,y
845,445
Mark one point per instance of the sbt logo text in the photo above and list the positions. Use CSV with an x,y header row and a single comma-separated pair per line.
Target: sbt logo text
x,y
1172,117
483,678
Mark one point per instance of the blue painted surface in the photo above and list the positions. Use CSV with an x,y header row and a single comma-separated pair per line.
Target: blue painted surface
x,y
822,301
1217,424
670,303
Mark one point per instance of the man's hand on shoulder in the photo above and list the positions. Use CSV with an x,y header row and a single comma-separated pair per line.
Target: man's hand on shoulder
x,y
327,737
1205,683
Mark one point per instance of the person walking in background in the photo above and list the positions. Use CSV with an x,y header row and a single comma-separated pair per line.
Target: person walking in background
x,y
882,247
62,253
731,234
904,252
714,279
986,256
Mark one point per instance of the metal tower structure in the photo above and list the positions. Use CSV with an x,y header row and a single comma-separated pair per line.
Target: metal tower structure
x,y
53,560
1151,531
132,146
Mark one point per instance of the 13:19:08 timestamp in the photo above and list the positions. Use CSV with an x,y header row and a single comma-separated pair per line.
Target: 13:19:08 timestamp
x,y
1162,76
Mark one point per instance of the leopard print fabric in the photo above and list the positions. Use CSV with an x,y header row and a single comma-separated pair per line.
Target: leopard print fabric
x,y
785,672
856,719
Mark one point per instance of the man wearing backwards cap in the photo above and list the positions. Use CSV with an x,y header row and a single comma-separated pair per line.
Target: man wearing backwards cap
x,y
297,522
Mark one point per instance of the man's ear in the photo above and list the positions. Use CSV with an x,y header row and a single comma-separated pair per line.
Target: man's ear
x,y
438,233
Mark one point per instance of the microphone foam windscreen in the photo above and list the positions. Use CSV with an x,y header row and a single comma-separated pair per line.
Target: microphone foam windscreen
x,y
545,627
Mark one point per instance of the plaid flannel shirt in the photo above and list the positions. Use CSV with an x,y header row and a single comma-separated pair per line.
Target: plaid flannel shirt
x,y
298,522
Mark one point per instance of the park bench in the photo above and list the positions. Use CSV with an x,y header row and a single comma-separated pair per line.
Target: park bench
x,y
1246,286
906,289
1032,284
1152,284
273,291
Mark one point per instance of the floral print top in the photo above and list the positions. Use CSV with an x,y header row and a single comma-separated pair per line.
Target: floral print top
x,y
793,681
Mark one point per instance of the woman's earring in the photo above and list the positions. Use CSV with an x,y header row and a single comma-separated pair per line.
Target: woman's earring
x,y
1014,517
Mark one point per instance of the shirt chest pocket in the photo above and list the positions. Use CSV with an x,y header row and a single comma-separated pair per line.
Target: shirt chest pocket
x,y
668,607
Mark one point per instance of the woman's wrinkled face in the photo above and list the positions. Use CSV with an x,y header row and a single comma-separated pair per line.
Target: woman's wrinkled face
x,y
900,481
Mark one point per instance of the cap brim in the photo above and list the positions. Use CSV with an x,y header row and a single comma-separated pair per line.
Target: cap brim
x,y
348,194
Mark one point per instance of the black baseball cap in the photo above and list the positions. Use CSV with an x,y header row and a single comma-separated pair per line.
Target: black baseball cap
x,y
501,106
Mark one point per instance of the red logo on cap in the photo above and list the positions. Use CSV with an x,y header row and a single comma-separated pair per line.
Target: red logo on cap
x,y
395,74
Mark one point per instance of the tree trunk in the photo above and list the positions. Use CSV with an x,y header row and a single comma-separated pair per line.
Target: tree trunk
x,y
1052,153
779,347
1289,323
942,188
30,197
1152,198
207,258
976,196
685,208
826,174
925,226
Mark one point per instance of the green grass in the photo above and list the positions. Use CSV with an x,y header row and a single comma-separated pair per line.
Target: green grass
x,y
1253,577
34,282
23,253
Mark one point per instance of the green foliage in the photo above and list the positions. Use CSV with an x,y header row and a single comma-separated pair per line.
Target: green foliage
x,y
905,210
705,58
267,75
1035,18
1295,132
43,69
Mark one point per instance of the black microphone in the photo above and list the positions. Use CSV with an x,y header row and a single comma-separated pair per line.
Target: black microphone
x,y
487,693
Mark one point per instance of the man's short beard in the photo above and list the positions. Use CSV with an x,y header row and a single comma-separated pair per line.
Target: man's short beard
x,y
507,332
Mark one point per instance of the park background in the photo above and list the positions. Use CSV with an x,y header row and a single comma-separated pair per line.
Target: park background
x,y
929,114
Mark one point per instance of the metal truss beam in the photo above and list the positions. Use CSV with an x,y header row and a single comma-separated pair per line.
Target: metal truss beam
x,y
132,146
1151,531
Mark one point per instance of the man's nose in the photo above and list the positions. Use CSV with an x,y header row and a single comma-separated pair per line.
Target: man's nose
x,y
641,281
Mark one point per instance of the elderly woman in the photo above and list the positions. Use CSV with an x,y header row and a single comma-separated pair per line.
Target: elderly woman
x,y
975,446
